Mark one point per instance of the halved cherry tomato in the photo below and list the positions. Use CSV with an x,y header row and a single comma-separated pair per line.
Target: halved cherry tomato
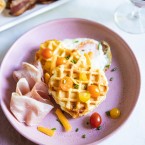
x,y
46,53
66,83
60,61
95,120
93,90
84,96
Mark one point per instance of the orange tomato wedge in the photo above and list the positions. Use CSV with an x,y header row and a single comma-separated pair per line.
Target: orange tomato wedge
x,y
94,91
60,61
46,53
66,83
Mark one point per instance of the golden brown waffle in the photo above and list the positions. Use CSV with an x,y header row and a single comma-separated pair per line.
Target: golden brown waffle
x,y
72,56
69,100
75,65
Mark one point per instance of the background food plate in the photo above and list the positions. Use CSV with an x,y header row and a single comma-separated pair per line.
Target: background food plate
x,y
123,89
7,21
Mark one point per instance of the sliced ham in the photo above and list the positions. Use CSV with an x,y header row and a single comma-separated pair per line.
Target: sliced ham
x,y
28,110
32,73
30,102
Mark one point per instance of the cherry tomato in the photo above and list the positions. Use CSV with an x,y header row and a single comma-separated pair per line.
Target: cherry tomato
x,y
95,120
46,53
84,96
94,91
66,83
60,61
115,113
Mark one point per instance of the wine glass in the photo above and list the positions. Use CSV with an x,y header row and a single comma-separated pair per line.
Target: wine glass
x,y
131,17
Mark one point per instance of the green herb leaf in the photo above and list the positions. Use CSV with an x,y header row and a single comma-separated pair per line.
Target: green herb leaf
x,y
108,113
99,46
76,41
67,57
107,66
53,129
76,86
74,61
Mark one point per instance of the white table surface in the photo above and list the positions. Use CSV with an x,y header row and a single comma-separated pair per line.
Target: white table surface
x,y
133,131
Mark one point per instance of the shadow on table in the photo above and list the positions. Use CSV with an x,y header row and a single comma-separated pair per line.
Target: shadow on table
x,y
8,135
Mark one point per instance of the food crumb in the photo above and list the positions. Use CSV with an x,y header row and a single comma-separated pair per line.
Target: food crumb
x,y
99,128
108,113
83,136
87,123
114,69
111,79
77,130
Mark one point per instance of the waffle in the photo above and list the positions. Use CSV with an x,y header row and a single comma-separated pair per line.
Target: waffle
x,y
75,65
69,100
72,56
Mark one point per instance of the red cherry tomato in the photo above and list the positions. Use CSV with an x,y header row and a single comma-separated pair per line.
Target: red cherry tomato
x,y
95,120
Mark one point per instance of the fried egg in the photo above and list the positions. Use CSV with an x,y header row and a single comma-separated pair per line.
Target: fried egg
x,y
101,58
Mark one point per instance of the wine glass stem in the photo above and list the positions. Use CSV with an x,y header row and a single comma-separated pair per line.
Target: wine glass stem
x,y
135,14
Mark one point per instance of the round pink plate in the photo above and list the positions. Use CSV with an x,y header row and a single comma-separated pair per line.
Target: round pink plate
x,y
123,89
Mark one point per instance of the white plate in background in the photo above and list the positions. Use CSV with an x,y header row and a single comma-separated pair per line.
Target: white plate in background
x,y
7,21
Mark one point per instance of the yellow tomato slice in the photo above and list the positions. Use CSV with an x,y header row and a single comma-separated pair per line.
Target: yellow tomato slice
x,y
83,77
66,83
84,96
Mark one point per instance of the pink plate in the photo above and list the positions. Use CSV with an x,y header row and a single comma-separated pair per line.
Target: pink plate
x,y
123,92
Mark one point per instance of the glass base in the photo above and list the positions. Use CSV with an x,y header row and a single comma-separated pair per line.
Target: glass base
x,y
128,19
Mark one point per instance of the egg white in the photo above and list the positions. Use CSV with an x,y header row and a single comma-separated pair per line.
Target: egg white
x,y
99,59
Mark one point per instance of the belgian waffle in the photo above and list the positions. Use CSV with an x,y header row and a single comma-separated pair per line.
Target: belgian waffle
x,y
75,65
72,56
69,100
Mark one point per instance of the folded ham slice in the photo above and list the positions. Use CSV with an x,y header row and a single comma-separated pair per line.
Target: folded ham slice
x,y
32,73
30,102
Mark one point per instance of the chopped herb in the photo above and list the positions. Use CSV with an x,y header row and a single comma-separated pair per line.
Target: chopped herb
x,y
67,57
87,123
77,130
76,41
85,87
74,61
99,46
108,113
76,86
111,79
53,129
114,69
59,121
99,128
83,136
83,50
107,66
